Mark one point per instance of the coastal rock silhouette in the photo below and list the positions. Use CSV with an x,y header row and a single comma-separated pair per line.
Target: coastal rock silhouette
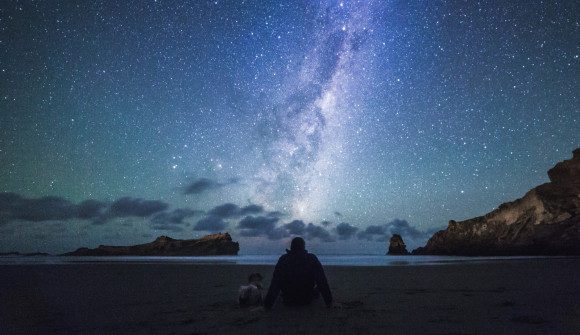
x,y
397,246
209,245
546,221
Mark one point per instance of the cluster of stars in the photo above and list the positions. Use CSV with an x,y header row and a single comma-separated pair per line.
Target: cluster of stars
x,y
425,111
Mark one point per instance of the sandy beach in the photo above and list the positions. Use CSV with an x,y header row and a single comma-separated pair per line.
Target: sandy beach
x,y
529,296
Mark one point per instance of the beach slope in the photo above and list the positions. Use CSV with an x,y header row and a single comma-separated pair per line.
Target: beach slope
x,y
529,296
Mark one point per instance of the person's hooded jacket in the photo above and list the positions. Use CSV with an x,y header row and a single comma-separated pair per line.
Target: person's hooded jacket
x,y
299,275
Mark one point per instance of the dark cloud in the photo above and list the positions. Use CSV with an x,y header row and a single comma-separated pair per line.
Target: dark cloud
x,y
397,226
90,209
345,231
257,225
202,185
229,210
172,220
275,214
49,208
296,227
225,211
314,231
326,223
267,226
15,207
376,230
403,228
371,232
128,206
252,209
8,200
250,225
211,223
277,233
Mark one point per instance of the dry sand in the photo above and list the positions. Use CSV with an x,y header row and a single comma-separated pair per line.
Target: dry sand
x,y
531,296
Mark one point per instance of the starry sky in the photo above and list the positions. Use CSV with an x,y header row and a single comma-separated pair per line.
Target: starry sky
x,y
340,121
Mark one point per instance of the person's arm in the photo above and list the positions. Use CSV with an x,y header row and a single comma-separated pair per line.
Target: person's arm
x,y
274,288
322,283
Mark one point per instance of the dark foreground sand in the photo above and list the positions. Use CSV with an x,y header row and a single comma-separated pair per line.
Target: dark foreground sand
x,y
534,296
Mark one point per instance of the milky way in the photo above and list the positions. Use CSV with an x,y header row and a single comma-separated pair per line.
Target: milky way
x,y
340,121
303,130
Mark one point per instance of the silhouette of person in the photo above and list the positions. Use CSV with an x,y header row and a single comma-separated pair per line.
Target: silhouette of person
x,y
300,278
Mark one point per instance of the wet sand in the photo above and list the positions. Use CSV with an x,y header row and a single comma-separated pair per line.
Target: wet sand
x,y
529,296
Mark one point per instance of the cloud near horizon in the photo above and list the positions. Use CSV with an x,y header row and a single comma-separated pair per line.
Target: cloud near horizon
x,y
14,207
229,210
250,221
255,226
345,231
382,233
173,220
202,185
217,218
211,223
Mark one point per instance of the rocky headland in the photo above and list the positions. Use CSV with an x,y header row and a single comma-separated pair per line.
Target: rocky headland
x,y
209,245
546,221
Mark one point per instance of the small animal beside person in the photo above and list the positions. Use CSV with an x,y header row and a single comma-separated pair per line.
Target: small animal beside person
x,y
251,294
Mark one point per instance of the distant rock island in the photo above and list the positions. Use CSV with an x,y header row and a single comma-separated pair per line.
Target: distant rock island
x,y
209,245
397,246
546,221
16,253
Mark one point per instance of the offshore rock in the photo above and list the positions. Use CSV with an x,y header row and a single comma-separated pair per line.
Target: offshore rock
x,y
546,221
209,245
30,254
397,246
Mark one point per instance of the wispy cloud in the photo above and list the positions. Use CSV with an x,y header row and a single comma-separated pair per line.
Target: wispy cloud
x,y
202,185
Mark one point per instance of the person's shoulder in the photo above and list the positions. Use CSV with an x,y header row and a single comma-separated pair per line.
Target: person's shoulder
x,y
283,258
312,257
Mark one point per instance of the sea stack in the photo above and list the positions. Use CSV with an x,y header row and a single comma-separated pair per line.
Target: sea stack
x,y
546,221
397,246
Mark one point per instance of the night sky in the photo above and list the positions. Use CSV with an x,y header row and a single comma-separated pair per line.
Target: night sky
x,y
340,121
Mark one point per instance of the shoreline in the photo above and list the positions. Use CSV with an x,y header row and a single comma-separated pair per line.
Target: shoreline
x,y
270,260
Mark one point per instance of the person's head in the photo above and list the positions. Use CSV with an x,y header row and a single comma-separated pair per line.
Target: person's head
x,y
254,278
298,244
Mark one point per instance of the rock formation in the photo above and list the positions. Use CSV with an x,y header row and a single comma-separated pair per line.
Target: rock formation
x,y
30,254
546,221
397,246
210,245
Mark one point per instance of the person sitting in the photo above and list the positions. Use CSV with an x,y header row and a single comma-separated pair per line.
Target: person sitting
x,y
299,276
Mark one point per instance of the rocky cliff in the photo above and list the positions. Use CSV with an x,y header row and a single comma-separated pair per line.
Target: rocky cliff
x,y
210,245
397,246
546,221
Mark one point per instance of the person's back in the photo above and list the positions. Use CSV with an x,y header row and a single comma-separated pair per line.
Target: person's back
x,y
300,277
